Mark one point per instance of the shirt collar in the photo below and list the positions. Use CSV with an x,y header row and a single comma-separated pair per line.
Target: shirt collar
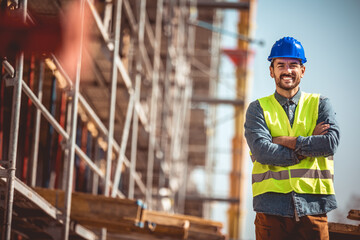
x,y
283,100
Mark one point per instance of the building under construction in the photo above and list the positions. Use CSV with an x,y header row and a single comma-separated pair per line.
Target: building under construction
x,y
105,110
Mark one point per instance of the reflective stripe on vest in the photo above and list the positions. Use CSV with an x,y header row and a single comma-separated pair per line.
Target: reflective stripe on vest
x,y
312,175
295,173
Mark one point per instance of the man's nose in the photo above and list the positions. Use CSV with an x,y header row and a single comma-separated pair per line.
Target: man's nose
x,y
288,68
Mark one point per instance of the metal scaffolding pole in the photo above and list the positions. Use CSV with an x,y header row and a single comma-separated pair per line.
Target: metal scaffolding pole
x,y
124,139
188,93
223,4
13,144
72,138
134,28
141,46
113,97
134,139
154,101
13,141
215,101
179,102
107,21
37,120
67,149
178,87
95,177
44,111
185,140
166,97
141,33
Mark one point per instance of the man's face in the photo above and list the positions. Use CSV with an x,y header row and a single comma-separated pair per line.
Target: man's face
x,y
287,73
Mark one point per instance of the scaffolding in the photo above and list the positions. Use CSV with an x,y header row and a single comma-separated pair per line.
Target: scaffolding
x,y
123,123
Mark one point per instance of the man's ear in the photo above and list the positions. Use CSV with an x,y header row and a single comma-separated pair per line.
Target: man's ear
x,y
303,71
271,71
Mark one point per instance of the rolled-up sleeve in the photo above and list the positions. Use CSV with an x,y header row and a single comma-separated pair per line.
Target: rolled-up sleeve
x,y
321,145
259,139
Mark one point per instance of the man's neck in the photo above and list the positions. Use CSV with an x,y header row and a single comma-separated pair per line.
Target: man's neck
x,y
287,93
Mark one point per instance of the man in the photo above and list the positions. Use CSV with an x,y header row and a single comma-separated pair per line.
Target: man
x,y
292,136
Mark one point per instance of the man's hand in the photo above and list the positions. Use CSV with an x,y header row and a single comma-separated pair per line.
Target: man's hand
x,y
286,141
321,129
289,142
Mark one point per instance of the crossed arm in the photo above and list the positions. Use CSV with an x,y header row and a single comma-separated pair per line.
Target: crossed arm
x,y
290,142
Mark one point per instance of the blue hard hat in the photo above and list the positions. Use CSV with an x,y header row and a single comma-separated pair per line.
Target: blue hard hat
x,y
287,47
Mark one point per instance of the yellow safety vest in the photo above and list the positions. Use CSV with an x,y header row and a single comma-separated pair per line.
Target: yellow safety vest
x,y
313,175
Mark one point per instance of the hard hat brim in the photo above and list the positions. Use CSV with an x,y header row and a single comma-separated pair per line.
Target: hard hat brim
x,y
270,59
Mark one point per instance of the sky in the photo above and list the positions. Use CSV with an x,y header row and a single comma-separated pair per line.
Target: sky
x,y
329,32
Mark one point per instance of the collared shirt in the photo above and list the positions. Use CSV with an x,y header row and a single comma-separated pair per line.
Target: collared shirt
x,y
260,143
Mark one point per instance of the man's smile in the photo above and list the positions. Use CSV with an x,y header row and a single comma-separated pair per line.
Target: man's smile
x,y
287,78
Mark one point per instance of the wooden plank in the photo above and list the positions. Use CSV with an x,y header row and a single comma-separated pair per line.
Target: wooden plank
x,y
147,230
200,235
168,230
354,214
118,226
165,226
161,216
199,228
95,210
148,234
344,228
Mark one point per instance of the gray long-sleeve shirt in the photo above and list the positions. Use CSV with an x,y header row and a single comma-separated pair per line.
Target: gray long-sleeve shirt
x,y
260,143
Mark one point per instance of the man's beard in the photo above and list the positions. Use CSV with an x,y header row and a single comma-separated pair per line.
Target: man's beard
x,y
280,84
